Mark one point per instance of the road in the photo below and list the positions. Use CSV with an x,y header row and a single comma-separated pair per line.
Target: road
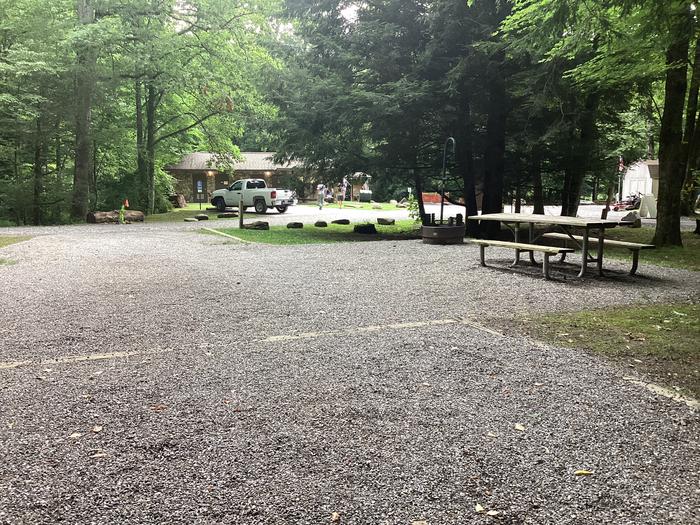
x,y
152,374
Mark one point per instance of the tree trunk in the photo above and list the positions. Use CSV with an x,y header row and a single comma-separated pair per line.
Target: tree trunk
x,y
38,172
418,182
536,178
671,157
102,217
579,160
85,78
691,136
494,155
465,160
141,191
151,146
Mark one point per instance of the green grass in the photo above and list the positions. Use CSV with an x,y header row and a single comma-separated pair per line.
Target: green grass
x,y
282,235
6,240
658,340
347,205
179,214
687,257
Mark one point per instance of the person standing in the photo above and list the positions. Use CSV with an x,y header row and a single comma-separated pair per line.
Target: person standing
x,y
343,187
321,191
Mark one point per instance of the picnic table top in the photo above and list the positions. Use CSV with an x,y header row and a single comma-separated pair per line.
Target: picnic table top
x,y
544,219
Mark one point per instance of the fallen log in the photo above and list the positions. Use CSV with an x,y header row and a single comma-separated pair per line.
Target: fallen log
x,y
101,217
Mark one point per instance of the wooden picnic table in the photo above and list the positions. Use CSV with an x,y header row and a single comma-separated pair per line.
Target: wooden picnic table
x,y
563,224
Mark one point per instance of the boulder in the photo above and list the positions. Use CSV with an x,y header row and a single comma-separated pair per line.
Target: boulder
x,y
321,224
394,202
365,228
190,219
202,217
257,225
227,215
341,221
177,200
295,225
100,217
401,205
632,219
376,206
385,222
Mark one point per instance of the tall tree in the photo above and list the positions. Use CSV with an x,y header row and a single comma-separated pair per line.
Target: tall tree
x,y
84,82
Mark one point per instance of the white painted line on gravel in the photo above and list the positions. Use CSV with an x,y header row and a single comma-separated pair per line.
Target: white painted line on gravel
x,y
379,328
81,358
665,392
229,236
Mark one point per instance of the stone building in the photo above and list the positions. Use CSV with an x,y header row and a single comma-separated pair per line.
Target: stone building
x,y
198,174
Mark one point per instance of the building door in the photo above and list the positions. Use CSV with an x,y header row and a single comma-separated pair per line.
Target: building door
x,y
199,188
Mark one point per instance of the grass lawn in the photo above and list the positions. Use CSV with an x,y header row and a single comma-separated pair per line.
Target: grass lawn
x,y
402,230
7,240
347,205
179,214
687,257
660,341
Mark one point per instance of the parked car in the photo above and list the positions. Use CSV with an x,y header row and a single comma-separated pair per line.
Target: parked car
x,y
255,193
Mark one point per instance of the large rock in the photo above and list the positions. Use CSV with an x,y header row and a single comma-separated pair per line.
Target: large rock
x,y
385,222
321,224
376,206
341,221
257,225
365,228
227,215
202,217
99,217
178,200
295,225
632,219
190,219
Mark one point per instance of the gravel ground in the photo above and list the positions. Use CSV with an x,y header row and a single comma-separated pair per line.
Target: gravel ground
x,y
275,384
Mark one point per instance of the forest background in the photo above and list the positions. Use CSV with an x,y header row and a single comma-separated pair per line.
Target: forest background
x,y
543,97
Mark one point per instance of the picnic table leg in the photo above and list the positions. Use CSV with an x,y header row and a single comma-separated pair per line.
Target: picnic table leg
x,y
584,253
531,237
545,266
601,245
635,261
516,236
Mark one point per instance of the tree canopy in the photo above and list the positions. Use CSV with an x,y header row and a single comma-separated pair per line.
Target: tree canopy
x,y
543,97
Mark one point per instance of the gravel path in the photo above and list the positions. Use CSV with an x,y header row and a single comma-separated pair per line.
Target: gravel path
x,y
167,376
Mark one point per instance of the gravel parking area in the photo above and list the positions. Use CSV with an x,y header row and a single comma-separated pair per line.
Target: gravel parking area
x,y
153,374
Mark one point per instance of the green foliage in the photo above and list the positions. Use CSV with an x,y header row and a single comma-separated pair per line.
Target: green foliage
x,y
413,211
199,66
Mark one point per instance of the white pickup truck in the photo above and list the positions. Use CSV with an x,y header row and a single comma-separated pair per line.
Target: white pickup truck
x,y
255,193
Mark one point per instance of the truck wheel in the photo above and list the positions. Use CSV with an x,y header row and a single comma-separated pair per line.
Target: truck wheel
x,y
260,206
220,204
282,209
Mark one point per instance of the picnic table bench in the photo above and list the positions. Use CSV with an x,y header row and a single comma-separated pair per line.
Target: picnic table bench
x,y
547,251
634,247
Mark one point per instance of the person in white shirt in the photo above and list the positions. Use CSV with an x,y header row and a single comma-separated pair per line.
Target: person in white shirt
x,y
321,191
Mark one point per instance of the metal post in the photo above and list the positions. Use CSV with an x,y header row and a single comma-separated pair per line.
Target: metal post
x,y
444,172
240,211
